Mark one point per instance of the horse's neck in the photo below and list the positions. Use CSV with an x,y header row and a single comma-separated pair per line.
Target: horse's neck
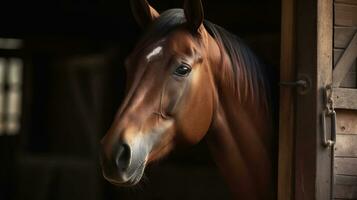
x,y
240,141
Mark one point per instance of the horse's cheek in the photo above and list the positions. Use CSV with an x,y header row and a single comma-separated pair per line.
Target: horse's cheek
x,y
195,117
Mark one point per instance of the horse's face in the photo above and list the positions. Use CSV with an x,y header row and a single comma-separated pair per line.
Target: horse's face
x,y
169,101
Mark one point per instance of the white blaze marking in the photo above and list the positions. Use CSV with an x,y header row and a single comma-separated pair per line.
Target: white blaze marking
x,y
154,52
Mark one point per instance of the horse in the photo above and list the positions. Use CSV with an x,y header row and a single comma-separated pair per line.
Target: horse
x,y
190,80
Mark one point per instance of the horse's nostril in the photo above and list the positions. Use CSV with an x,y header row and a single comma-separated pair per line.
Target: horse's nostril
x,y
122,159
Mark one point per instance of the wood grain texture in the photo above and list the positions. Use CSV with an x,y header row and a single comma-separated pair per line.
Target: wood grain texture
x,y
346,166
345,62
286,111
345,14
346,146
324,157
345,98
337,53
345,187
350,80
314,47
305,136
346,122
343,36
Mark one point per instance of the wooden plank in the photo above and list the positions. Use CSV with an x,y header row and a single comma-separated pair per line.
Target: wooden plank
x,y
346,166
345,98
346,122
350,80
345,62
286,111
345,15
343,36
346,180
347,1
345,187
337,53
346,145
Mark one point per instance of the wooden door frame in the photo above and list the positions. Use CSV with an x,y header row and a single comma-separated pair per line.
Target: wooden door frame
x,y
306,50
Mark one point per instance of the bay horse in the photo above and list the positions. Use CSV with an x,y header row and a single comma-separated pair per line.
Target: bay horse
x,y
187,80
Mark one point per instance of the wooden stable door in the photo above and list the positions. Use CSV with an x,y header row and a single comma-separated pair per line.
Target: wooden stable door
x,y
318,114
345,98
305,149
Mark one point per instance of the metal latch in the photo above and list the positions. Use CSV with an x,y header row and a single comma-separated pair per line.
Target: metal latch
x,y
303,84
329,111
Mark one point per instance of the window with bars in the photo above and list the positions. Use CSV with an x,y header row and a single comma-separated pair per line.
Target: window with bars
x,y
11,67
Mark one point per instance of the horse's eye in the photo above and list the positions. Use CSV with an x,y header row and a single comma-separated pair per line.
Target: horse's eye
x,y
182,70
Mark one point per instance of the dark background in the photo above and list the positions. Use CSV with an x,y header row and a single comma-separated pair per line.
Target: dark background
x,y
73,83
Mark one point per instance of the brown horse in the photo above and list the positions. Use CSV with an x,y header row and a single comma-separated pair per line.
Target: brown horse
x,y
189,79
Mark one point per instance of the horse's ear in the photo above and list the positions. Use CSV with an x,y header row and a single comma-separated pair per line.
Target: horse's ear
x,y
144,14
194,14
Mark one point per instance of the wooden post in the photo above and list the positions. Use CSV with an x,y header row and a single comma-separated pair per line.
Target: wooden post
x,y
313,175
324,160
286,111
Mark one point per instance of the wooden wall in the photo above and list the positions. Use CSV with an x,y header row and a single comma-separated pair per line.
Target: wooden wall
x,y
345,37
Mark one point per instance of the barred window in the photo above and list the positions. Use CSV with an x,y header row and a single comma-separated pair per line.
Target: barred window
x,y
11,68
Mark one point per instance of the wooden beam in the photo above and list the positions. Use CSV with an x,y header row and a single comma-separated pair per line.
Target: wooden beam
x,y
345,98
324,156
350,80
337,53
345,62
286,114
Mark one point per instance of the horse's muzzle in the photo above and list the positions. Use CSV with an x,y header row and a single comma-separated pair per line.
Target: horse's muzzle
x,y
125,165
